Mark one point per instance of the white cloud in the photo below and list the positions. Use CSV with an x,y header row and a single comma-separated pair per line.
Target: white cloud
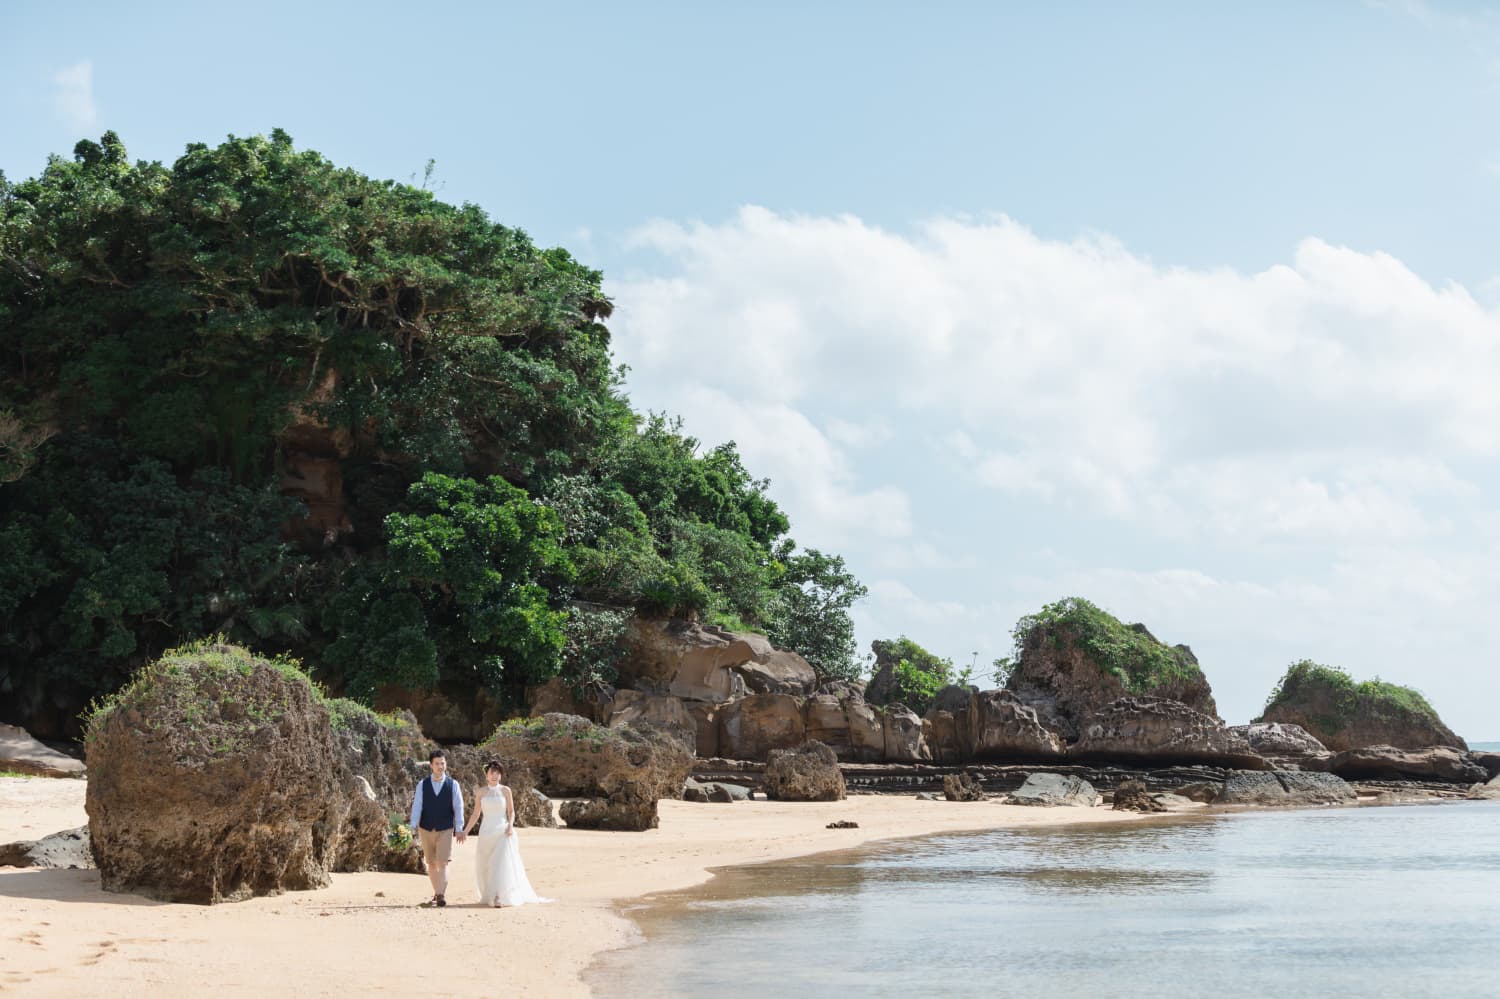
x,y
73,96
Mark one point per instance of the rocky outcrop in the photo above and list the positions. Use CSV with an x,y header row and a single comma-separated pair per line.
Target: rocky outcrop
x,y
1283,787
1281,743
556,697
998,726
63,850
466,765
1162,731
659,711
1132,796
706,727
903,736
1490,762
447,719
1489,791
629,807
20,753
1441,763
1342,714
684,658
808,773
213,778
962,787
1067,684
771,670
569,755
751,727
1054,789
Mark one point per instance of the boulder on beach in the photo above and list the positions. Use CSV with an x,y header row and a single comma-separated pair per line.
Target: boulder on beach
x,y
630,806
1054,789
1439,763
1073,660
569,755
1161,731
20,753
214,778
1284,787
807,773
67,849
1343,714
1282,742
1132,796
962,787
718,792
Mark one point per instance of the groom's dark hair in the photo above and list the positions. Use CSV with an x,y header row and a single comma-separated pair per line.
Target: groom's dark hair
x,y
436,753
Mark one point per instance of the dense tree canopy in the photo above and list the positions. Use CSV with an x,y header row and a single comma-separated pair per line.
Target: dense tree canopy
x,y
257,394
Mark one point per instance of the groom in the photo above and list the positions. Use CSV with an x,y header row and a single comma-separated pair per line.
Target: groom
x,y
437,817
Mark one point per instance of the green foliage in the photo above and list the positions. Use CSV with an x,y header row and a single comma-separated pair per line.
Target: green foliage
x,y
1127,652
594,642
810,614
918,674
1337,698
398,835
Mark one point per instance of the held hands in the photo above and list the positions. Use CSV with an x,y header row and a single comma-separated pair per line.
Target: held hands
x,y
461,836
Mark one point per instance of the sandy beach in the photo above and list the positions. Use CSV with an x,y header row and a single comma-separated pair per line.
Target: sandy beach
x,y
63,934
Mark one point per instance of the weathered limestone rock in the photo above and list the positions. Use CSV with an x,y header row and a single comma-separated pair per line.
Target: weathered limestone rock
x,y
213,778
569,755
1281,742
1132,796
444,718
1162,731
825,720
1389,763
1489,791
68,849
866,731
629,807
1054,789
772,670
660,711
751,727
1284,787
556,697
1343,715
20,753
962,787
685,659
706,727
903,736
808,773
999,726
946,735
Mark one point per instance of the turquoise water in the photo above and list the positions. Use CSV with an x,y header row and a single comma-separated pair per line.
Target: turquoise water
x,y
1394,901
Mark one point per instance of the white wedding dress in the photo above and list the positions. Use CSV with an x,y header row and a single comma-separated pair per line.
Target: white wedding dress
x,y
498,868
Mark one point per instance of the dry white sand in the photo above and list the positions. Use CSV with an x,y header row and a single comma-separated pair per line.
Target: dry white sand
x,y
60,934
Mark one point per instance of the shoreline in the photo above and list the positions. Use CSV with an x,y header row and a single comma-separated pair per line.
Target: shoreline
x,y
366,931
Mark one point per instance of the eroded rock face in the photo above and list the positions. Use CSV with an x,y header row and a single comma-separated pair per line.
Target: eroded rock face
x,y
1390,763
999,726
807,773
962,787
443,718
20,753
1059,678
556,697
1490,762
826,720
1342,719
1485,792
903,736
1054,789
772,670
630,807
1162,731
214,779
569,755
62,850
1284,787
659,711
751,727
1132,796
1281,741
685,659
946,735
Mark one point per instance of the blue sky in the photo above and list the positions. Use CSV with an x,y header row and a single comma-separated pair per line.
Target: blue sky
x,y
1184,308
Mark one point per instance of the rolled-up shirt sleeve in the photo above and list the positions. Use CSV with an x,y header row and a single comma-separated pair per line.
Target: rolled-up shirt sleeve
x,y
416,805
458,808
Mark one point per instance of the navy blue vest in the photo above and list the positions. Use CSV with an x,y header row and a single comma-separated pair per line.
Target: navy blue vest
x,y
437,810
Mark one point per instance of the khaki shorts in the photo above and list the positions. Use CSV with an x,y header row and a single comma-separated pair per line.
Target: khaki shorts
x,y
437,847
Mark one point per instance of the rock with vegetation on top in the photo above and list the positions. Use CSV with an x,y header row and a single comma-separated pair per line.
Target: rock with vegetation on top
x,y
569,755
1054,789
1441,763
962,787
20,753
1343,714
1284,787
751,727
807,773
1162,731
684,658
1073,659
1132,796
214,778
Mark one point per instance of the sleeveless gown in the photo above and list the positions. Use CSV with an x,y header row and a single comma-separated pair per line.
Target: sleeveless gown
x,y
498,867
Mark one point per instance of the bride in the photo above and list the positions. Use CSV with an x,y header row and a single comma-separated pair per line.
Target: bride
x,y
498,869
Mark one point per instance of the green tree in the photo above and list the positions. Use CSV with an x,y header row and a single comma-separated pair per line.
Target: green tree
x,y
811,615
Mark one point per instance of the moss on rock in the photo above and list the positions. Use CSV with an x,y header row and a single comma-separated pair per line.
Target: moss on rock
x,y
1343,713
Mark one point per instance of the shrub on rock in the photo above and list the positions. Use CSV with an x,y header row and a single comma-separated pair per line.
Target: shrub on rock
x,y
808,773
1343,714
569,755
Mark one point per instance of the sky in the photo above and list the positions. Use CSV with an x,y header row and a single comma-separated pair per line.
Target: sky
x,y
1191,310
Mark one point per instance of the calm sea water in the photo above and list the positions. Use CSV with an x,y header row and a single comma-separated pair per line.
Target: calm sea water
x,y
1393,901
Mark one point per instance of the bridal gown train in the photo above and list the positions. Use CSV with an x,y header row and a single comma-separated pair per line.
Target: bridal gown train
x,y
498,867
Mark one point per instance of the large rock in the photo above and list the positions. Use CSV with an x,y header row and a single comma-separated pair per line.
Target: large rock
x,y
1160,731
1440,763
1060,673
946,735
1490,762
1284,787
660,711
20,753
751,727
866,731
569,755
808,773
68,849
1281,742
447,718
706,727
998,726
962,787
1054,789
213,778
825,719
903,736
556,697
629,807
1343,714
771,670
684,658
466,765
1485,792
